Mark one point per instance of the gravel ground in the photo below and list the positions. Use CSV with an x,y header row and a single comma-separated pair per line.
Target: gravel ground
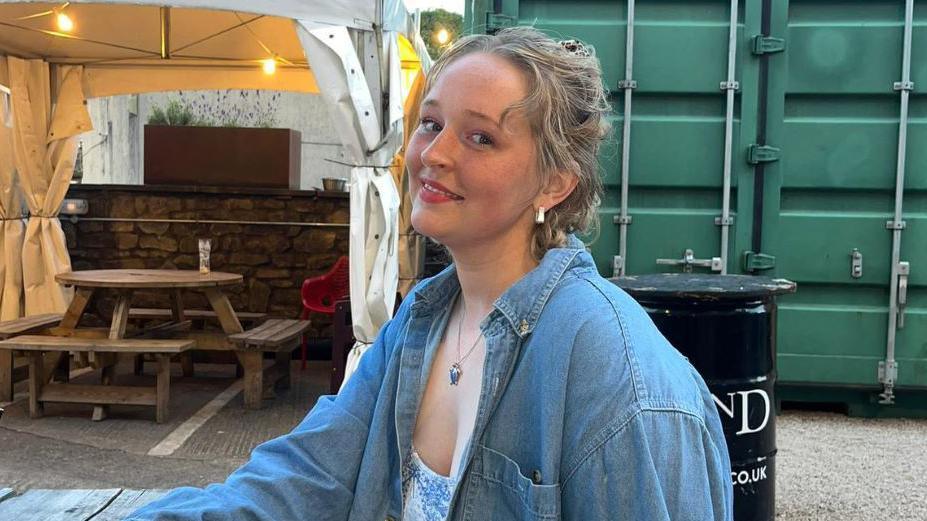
x,y
832,467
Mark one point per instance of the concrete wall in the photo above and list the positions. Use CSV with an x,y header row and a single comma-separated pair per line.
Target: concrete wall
x,y
114,149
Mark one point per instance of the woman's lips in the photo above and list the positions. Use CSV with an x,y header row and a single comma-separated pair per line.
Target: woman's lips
x,y
432,192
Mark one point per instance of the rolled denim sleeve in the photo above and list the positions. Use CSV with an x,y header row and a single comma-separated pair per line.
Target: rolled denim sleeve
x,y
656,464
309,473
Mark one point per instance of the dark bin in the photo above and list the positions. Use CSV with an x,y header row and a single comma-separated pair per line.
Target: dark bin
x,y
726,326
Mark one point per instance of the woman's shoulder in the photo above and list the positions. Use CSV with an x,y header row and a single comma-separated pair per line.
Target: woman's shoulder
x,y
616,346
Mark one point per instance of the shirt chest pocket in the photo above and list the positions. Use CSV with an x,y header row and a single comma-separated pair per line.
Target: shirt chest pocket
x,y
504,492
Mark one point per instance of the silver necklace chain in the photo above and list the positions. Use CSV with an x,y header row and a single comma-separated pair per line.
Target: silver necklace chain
x,y
456,371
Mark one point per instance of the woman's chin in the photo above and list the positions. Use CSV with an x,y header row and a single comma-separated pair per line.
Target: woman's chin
x,y
428,224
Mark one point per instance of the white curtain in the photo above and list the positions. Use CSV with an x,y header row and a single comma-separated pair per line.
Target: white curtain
x,y
374,196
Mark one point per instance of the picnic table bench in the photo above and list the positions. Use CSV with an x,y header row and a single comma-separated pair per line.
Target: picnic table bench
x,y
40,391
112,504
10,361
245,317
280,336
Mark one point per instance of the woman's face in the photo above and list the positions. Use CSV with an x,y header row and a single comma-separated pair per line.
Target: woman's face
x,y
474,177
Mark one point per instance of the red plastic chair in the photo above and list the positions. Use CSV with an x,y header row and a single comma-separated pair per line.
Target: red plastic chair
x,y
319,294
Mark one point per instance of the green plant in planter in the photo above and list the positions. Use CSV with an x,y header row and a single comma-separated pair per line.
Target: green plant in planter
x,y
219,109
176,114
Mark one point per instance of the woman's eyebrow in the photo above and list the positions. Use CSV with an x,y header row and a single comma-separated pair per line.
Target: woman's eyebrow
x,y
480,115
469,112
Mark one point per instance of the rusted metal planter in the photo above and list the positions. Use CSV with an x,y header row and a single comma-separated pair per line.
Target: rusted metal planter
x,y
222,156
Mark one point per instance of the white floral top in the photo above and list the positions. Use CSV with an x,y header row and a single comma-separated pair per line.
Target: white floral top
x,y
426,494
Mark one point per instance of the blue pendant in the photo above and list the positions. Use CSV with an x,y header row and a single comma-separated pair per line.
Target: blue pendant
x,y
455,373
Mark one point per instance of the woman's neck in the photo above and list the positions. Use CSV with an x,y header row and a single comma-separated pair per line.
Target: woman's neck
x,y
486,274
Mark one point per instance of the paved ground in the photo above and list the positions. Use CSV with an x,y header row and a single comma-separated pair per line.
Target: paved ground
x,y
67,450
830,467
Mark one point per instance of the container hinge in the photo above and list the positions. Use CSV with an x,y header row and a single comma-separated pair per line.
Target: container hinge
x,y
888,374
757,154
903,85
496,21
622,220
754,261
688,261
856,263
767,44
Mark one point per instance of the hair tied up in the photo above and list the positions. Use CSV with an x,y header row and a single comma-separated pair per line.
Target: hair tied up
x,y
575,47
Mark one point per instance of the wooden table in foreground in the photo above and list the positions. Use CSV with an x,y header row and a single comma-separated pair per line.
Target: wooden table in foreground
x,y
125,281
112,504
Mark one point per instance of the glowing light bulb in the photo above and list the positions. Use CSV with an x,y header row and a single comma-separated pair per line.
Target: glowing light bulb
x,y
269,65
65,24
443,36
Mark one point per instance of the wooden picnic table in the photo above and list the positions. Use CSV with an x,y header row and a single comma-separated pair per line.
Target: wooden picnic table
x,y
112,504
125,281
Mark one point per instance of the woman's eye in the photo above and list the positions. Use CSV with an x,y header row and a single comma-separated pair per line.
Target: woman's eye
x,y
430,125
481,139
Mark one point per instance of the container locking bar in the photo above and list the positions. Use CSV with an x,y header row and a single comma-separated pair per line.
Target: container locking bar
x,y
628,84
898,283
688,261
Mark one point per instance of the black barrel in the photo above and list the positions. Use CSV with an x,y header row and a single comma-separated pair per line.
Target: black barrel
x,y
726,326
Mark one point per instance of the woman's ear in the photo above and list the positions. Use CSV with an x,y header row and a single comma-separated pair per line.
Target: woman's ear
x,y
560,185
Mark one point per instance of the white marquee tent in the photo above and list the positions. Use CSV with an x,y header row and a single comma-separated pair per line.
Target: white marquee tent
x,y
351,52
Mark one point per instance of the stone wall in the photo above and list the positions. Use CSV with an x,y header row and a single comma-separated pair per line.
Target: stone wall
x,y
156,227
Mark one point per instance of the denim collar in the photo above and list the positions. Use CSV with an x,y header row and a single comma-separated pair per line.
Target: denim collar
x,y
522,303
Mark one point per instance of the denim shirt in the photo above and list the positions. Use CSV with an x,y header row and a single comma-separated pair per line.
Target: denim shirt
x,y
586,413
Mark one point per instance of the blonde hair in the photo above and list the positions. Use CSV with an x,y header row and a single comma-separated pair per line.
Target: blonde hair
x,y
566,108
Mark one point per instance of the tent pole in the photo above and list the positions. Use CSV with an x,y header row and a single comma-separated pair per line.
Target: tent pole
x,y
165,13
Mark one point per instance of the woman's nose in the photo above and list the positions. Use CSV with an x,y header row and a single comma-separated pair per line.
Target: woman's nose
x,y
439,152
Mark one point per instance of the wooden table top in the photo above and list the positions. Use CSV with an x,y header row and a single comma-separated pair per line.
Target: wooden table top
x,y
76,505
135,278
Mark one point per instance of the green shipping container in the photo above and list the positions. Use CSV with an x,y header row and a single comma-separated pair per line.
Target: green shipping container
x,y
811,110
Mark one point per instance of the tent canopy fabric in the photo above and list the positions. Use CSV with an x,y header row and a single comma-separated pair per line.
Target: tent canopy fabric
x,y
355,14
212,44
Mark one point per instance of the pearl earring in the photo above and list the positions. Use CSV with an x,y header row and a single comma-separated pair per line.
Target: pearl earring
x,y
539,216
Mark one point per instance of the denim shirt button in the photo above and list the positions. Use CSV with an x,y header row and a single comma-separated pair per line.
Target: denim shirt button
x,y
536,477
523,327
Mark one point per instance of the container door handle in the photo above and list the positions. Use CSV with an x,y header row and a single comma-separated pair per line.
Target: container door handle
x,y
904,269
688,260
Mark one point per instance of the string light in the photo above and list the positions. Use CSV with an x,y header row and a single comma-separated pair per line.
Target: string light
x,y
269,66
65,24
443,36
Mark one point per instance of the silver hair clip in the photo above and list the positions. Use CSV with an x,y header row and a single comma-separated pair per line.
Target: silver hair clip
x,y
575,47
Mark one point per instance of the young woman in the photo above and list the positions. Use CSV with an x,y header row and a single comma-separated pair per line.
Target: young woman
x,y
518,384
